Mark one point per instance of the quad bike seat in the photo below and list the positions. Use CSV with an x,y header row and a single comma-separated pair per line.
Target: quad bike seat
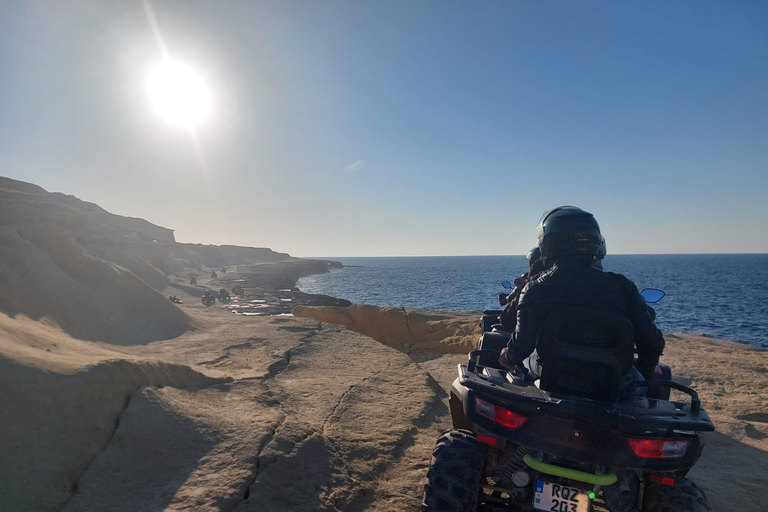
x,y
587,352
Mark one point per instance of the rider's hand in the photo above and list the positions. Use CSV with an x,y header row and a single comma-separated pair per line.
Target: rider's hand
x,y
647,365
504,359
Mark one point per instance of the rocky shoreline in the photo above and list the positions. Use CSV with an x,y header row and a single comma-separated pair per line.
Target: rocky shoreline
x,y
269,288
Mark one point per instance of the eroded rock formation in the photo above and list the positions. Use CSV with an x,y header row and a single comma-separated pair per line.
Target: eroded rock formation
x,y
405,329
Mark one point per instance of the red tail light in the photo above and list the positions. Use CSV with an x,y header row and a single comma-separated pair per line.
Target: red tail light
x,y
498,414
659,448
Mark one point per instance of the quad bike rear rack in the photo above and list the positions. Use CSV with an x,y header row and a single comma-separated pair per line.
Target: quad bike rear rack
x,y
631,415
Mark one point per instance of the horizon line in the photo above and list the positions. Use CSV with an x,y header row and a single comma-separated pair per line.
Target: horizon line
x,y
524,255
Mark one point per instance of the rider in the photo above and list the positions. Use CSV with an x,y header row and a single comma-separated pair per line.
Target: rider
x,y
508,317
570,241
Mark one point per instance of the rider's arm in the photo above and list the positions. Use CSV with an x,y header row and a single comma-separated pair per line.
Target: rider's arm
x,y
508,317
648,338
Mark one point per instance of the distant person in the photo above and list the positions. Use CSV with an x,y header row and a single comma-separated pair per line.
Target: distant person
x,y
213,275
570,241
193,281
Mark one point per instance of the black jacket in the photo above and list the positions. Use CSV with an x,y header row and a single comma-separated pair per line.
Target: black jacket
x,y
508,317
571,283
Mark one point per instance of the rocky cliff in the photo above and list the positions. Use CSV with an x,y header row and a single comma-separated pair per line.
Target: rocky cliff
x,y
95,274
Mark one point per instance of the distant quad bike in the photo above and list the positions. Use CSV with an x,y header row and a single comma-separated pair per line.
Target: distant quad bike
x,y
213,275
223,270
209,299
224,296
238,290
193,281
572,443
174,299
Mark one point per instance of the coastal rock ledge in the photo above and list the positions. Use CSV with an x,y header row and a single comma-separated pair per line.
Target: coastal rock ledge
x,y
405,329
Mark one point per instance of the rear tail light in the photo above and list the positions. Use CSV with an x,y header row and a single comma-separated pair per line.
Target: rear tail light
x,y
498,414
659,448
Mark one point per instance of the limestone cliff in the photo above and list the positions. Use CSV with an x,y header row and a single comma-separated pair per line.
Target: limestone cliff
x,y
95,274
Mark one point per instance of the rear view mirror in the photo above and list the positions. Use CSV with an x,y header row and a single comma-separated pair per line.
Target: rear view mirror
x,y
652,295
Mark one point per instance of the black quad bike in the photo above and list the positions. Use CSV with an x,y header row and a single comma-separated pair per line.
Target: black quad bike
x,y
224,296
209,299
569,441
238,290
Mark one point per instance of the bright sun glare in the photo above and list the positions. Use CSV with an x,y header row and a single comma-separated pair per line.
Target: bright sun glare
x,y
179,94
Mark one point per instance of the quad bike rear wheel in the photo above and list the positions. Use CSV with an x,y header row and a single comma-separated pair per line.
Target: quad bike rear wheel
x,y
453,480
683,496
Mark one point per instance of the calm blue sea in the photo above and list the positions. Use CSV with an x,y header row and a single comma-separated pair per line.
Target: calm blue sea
x,y
722,295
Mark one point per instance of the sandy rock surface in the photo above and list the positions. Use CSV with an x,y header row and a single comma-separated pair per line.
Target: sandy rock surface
x,y
285,413
245,413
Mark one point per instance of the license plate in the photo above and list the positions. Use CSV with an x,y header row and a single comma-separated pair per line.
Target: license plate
x,y
559,498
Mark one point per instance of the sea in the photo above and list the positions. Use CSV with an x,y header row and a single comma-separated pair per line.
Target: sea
x,y
720,295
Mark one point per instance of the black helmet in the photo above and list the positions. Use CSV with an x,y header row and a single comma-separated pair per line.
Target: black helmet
x,y
535,264
569,231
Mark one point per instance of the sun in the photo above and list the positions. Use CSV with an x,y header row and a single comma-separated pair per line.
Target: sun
x,y
179,94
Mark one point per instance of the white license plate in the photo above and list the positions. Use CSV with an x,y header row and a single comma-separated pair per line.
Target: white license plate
x,y
559,498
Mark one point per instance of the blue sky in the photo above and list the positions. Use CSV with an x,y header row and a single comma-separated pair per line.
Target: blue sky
x,y
402,127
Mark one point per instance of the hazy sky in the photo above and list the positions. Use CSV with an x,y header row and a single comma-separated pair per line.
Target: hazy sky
x,y
413,127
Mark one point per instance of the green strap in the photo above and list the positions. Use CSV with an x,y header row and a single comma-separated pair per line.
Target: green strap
x,y
579,476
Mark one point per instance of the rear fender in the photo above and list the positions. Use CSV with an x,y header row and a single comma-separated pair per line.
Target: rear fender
x,y
458,403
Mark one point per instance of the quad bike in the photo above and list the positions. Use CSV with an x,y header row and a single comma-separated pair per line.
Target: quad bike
x,y
209,299
213,275
192,281
175,299
238,290
224,296
571,441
